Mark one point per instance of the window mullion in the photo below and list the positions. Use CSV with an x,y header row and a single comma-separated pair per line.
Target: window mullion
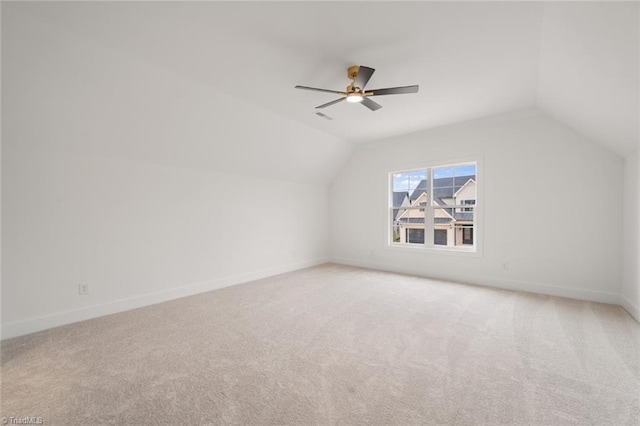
x,y
429,212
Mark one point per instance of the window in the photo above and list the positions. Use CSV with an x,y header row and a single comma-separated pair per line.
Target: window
x,y
435,207
468,202
415,236
440,237
467,235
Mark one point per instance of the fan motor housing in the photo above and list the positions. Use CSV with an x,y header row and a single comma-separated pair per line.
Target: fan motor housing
x,y
351,89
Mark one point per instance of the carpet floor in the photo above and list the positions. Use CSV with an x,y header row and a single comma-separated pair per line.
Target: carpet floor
x,y
335,345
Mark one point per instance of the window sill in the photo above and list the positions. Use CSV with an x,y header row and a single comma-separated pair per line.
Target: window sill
x,y
459,251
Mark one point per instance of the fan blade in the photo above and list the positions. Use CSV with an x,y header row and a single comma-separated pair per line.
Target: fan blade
x,y
373,106
393,91
321,90
364,74
330,103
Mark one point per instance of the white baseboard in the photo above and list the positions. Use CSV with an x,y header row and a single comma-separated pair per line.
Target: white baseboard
x,y
630,307
32,325
20,328
507,284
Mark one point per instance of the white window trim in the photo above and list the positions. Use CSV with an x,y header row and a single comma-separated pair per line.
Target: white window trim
x,y
429,246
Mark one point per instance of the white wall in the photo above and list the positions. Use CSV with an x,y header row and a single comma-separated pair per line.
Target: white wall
x,y
563,237
631,233
141,183
140,230
630,292
1,115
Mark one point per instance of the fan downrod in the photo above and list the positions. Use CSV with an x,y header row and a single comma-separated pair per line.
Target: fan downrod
x,y
352,73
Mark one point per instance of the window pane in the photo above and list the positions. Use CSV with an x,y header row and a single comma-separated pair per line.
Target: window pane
x,y
443,220
465,185
409,181
419,193
443,188
415,236
400,182
465,170
440,237
442,172
454,185
464,235
417,179
396,227
453,227
407,225
464,226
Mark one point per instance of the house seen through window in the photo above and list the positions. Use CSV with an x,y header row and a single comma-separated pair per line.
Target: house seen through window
x,y
434,207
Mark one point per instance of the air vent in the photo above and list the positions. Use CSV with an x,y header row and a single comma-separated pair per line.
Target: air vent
x,y
325,116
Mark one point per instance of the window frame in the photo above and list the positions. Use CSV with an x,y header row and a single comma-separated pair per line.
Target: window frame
x,y
429,245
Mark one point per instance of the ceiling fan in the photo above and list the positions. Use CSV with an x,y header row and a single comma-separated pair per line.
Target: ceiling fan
x,y
355,93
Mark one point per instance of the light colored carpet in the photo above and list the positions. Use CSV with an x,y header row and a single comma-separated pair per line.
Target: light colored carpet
x,y
335,345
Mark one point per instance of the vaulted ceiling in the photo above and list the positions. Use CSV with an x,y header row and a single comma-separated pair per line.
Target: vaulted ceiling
x,y
578,62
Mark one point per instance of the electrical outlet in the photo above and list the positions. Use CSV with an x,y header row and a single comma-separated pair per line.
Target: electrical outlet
x,y
83,289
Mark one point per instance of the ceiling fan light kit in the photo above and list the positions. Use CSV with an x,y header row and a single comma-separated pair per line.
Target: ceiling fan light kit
x,y
355,93
354,97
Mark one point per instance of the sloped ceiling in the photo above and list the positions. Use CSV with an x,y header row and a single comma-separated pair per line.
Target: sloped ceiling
x,y
589,70
577,62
